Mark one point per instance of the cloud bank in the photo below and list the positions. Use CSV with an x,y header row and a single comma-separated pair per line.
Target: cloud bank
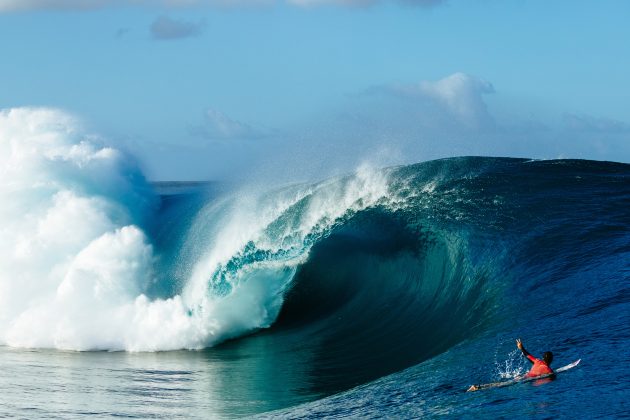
x,y
458,115
390,124
313,3
25,5
35,5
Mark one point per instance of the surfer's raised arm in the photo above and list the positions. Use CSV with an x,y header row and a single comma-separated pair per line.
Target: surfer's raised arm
x,y
541,367
519,344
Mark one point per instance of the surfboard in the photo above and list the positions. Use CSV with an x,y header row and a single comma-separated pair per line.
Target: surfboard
x,y
521,379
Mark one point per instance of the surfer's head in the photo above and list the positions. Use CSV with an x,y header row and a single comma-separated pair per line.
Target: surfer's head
x,y
547,357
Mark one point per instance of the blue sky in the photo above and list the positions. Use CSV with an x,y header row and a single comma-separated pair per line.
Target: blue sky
x,y
217,89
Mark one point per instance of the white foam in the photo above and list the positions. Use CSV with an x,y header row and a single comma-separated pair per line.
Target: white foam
x,y
75,263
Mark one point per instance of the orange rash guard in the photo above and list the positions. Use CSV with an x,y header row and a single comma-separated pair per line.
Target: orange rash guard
x,y
539,368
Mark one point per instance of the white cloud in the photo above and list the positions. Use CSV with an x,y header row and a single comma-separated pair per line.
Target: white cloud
x,y
34,5
462,94
311,3
23,5
459,95
165,28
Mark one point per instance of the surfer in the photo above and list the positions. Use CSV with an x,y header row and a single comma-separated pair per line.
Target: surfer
x,y
540,372
541,367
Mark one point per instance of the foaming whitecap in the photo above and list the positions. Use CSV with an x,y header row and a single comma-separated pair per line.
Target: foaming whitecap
x,y
77,260
73,257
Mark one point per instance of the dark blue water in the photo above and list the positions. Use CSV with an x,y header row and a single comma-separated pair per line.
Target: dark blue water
x,y
547,245
394,307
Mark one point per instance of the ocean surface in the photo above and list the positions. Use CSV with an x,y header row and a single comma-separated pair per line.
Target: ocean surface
x,y
383,293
